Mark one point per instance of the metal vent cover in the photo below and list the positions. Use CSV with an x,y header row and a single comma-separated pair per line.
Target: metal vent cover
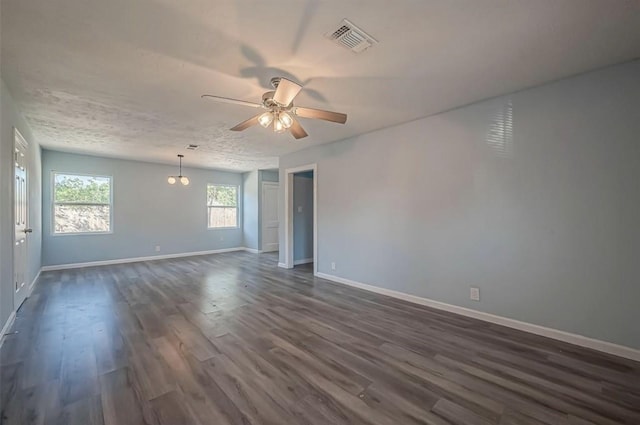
x,y
351,37
192,147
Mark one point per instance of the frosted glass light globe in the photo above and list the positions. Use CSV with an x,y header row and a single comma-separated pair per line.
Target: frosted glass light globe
x,y
277,126
285,119
265,119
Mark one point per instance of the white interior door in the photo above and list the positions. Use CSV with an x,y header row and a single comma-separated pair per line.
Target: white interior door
x,y
21,222
270,222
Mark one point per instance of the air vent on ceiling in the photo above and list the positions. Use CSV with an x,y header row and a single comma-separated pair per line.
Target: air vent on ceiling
x,y
350,36
192,147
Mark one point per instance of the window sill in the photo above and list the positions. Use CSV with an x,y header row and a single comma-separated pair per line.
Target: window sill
x,y
82,234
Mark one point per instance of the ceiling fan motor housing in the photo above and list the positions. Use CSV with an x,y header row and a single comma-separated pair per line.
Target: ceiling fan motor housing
x,y
267,100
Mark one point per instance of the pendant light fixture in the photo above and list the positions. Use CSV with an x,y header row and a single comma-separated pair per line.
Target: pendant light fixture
x,y
182,179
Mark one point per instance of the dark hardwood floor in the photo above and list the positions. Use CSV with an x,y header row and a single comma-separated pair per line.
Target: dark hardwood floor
x,y
232,339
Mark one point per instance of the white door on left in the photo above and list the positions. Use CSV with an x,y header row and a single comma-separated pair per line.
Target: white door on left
x,y
269,213
21,220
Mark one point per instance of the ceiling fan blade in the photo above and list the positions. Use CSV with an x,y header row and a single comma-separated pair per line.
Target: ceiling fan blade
x,y
246,124
233,101
319,114
296,130
287,91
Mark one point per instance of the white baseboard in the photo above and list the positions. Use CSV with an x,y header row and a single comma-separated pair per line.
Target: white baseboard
x,y
253,251
282,265
12,316
303,261
33,284
137,259
7,326
575,339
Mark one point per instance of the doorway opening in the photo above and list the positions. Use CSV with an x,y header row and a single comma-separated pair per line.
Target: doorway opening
x,y
303,218
301,231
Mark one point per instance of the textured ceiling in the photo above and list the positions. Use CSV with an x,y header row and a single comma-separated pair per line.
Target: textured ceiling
x,y
123,78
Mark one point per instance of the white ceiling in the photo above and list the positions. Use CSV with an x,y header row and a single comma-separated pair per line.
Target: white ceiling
x,y
123,78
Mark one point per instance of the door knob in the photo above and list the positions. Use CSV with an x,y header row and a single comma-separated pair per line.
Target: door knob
x,y
28,230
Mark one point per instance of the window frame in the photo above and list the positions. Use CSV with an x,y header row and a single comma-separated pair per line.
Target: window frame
x,y
237,207
54,203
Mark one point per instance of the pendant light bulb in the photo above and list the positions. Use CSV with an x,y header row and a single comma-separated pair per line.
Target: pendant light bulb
x,y
184,180
266,119
171,180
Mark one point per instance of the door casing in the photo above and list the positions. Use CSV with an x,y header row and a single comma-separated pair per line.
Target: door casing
x,y
288,214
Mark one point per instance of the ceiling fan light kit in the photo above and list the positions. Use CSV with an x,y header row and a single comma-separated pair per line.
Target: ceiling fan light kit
x,y
184,180
280,110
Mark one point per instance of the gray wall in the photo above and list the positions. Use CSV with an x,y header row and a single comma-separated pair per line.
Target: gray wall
x,y
251,212
540,211
147,211
303,220
12,119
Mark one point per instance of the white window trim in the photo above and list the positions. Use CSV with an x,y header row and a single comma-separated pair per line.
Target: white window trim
x,y
237,207
53,205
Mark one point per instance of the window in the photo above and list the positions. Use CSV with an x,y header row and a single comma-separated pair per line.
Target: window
x,y
81,204
222,205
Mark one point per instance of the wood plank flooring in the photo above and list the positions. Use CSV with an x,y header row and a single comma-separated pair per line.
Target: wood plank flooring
x,y
232,339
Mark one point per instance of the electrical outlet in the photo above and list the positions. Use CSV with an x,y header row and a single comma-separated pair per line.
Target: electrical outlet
x,y
221,238
474,293
299,209
157,248
333,266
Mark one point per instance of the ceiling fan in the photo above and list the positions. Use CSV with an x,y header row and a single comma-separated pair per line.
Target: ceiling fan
x,y
281,113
